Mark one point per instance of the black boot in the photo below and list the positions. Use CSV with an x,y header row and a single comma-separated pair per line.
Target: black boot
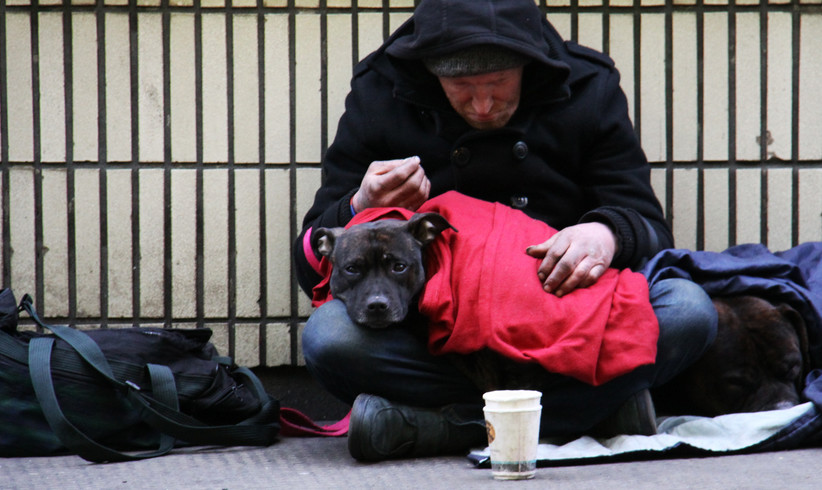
x,y
380,430
636,416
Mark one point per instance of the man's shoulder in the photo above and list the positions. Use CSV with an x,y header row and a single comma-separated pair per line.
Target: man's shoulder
x,y
585,53
365,64
371,81
588,64
376,64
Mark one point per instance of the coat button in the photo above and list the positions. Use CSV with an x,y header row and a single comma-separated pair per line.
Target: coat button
x,y
520,150
461,156
519,202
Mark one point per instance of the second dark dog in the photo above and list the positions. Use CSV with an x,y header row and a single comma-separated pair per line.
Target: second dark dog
x,y
757,362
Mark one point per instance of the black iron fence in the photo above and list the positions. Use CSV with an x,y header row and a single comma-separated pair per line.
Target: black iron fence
x,y
157,156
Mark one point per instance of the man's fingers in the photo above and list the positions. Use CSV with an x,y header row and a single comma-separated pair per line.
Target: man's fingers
x,y
555,266
400,183
539,250
585,274
397,172
556,273
382,167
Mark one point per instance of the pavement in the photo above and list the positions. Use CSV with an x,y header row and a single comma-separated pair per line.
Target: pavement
x,y
324,463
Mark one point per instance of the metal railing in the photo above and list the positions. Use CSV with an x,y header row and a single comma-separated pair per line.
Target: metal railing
x,y
157,157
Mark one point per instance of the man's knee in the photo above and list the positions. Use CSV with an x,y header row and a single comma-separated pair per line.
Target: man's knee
x,y
326,336
687,324
681,304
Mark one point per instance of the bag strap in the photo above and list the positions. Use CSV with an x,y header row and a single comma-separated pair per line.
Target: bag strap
x,y
254,431
73,438
192,431
160,416
160,411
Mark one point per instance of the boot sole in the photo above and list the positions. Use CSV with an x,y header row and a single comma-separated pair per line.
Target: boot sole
x,y
357,431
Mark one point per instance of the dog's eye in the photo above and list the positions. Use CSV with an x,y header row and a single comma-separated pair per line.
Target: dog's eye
x,y
399,267
792,372
790,368
352,269
735,382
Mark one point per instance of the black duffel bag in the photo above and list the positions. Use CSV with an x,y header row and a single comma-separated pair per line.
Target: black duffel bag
x,y
124,393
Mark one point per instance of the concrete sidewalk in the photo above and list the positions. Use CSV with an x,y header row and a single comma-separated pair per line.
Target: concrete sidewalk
x,y
321,463
318,463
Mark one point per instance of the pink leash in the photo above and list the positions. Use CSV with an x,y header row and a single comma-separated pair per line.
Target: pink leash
x,y
294,423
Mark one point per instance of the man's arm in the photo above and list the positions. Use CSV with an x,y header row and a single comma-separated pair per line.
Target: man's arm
x,y
356,174
626,225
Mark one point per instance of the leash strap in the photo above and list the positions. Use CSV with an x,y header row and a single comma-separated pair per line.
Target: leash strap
x,y
297,424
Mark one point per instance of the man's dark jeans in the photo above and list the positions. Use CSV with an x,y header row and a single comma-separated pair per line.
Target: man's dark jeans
x,y
394,363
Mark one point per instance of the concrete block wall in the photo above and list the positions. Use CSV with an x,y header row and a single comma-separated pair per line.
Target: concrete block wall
x,y
157,156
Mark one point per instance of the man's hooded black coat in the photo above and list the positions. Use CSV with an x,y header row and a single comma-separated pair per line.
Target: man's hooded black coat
x,y
568,155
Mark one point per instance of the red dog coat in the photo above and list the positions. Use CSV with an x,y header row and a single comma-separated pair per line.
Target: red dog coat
x,y
482,291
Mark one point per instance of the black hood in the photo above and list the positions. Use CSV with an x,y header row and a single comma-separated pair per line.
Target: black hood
x,y
440,27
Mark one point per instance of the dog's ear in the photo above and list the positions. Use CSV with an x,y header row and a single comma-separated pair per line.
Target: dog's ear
x,y
425,227
794,318
322,240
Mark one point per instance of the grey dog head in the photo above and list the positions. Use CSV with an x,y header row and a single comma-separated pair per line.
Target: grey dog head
x,y
378,266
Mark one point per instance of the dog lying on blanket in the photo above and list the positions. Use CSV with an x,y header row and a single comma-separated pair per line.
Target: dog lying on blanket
x,y
480,293
758,362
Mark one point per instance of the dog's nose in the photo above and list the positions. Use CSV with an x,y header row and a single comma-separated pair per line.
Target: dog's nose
x,y
784,405
377,304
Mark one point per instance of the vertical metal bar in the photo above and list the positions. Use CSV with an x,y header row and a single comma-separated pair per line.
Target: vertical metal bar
x,y
135,161
34,19
700,118
637,15
796,27
262,194
700,81
167,149
324,77
68,63
292,175
355,33
764,134
232,226
199,274
386,19
4,152
606,28
102,160
575,20
732,221
669,105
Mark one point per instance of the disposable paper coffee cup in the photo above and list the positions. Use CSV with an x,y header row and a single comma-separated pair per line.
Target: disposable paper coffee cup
x,y
512,419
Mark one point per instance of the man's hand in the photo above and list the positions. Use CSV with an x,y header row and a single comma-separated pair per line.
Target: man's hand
x,y
576,257
393,183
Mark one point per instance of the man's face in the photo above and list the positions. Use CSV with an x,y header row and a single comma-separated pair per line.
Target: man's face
x,y
485,101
